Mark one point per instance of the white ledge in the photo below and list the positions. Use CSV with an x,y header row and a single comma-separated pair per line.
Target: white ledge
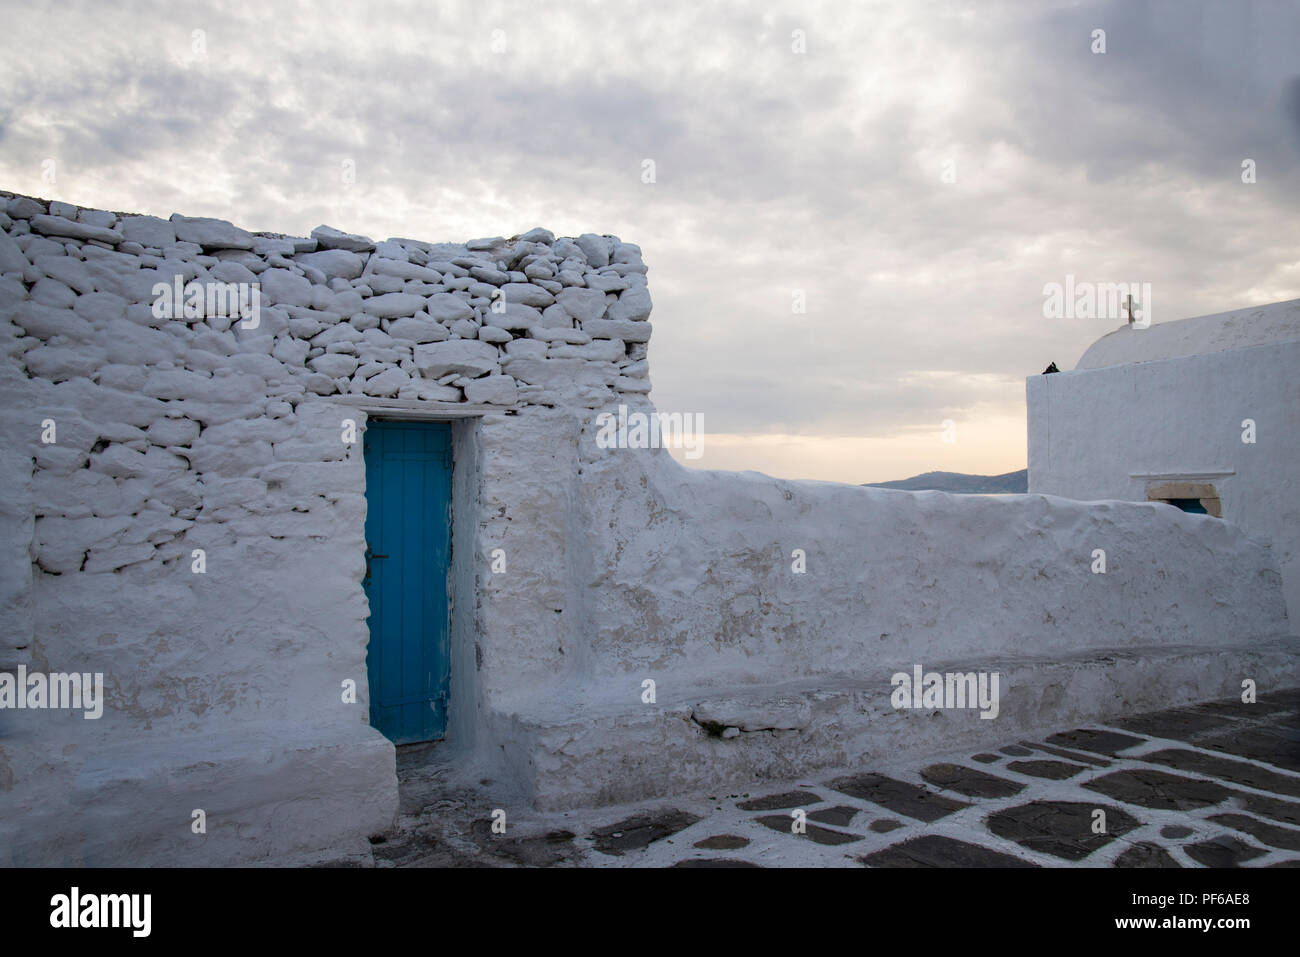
x,y
1220,473
418,408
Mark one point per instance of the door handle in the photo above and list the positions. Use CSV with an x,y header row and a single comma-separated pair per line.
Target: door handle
x,y
370,555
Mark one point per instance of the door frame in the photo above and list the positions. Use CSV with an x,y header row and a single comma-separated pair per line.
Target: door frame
x,y
463,708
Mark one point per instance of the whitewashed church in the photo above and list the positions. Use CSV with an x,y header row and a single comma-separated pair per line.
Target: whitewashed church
x,y
1203,414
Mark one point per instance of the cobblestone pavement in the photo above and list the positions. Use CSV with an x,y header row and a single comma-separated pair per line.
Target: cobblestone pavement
x,y
1211,785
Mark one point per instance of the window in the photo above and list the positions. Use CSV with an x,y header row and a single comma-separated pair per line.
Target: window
x,y
1199,498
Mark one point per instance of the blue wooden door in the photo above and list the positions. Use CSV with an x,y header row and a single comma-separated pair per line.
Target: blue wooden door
x,y
408,546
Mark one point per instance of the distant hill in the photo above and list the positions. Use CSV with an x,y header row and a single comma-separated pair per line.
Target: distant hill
x,y
959,482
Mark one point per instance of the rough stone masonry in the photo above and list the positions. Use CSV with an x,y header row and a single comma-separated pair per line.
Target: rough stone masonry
x,y
137,438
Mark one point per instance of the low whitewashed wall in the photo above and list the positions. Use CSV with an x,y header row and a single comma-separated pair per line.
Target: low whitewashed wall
x,y
687,578
633,567
899,577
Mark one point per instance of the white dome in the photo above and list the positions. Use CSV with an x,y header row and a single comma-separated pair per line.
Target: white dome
x,y
1238,329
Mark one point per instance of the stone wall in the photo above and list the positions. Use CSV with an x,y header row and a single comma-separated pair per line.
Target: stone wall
x,y
687,578
223,432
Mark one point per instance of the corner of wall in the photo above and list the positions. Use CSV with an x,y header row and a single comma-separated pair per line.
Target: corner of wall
x,y
1038,431
463,730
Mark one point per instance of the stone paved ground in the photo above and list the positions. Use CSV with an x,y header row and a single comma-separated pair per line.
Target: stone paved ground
x,y
1212,785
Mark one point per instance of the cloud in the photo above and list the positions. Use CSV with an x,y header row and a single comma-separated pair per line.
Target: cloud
x,y
776,171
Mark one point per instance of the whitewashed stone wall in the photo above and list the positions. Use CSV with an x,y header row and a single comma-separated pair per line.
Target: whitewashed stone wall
x,y
177,434
688,580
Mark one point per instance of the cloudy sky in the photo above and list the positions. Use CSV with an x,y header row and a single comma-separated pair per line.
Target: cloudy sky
x,y
918,170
